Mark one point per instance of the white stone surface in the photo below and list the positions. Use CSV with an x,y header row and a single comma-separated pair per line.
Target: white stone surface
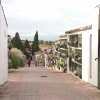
x,y
95,47
3,48
86,55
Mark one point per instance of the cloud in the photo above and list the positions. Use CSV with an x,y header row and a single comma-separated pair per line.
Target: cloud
x,y
32,34
50,17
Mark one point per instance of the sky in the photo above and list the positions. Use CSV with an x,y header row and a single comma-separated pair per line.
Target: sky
x,y
51,18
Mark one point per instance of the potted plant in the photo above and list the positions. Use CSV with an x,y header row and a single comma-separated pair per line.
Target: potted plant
x,y
76,56
65,69
56,49
79,60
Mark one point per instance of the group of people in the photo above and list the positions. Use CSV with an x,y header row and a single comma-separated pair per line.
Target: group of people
x,y
29,62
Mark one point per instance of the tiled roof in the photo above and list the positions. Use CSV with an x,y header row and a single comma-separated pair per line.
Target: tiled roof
x,y
56,40
41,54
79,29
37,53
62,36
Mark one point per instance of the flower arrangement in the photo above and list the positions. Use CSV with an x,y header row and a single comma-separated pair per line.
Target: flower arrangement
x,y
59,53
70,42
75,40
66,42
71,53
56,49
76,55
79,59
64,54
52,63
65,69
61,63
48,64
58,57
50,50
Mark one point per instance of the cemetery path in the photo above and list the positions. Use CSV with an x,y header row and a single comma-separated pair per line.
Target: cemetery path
x,y
38,83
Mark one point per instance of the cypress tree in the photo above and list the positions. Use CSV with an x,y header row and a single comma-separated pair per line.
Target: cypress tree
x,y
27,45
33,48
35,44
37,41
16,42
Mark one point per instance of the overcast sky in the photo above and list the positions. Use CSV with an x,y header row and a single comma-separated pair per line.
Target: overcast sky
x,y
50,17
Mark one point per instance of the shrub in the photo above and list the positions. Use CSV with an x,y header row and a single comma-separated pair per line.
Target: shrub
x,y
22,62
17,61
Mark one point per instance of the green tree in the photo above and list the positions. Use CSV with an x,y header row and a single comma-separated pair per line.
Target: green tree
x,y
16,42
27,45
36,44
46,42
50,43
32,48
41,42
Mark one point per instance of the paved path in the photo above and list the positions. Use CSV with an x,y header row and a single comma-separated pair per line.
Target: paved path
x,y
27,84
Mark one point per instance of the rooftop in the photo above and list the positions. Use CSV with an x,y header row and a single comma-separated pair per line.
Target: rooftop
x,y
37,53
62,36
79,29
56,40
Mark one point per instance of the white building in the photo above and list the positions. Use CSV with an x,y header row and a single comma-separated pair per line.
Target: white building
x,y
89,48
80,43
3,47
96,47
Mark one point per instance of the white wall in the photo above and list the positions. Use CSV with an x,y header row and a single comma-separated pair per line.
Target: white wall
x,y
86,55
95,47
3,48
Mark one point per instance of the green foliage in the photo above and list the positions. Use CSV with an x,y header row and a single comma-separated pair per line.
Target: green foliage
x,y
46,42
27,45
41,42
22,62
49,43
32,48
35,45
17,61
16,42
37,41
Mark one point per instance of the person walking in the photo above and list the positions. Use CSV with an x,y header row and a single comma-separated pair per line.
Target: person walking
x,y
29,62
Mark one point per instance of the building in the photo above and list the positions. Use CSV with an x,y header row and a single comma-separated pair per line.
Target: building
x,y
3,46
80,52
